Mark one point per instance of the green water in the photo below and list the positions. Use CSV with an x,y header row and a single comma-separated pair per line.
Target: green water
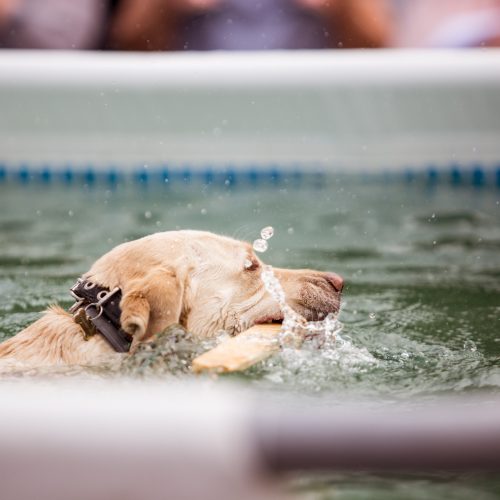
x,y
421,303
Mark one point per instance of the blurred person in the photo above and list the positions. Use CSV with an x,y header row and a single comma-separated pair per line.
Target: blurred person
x,y
52,24
355,23
447,23
249,24
152,24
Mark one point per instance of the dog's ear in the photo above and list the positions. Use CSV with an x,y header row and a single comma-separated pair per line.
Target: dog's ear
x,y
151,303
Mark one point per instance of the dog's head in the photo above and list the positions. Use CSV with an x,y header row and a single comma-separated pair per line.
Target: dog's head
x,y
225,291
207,283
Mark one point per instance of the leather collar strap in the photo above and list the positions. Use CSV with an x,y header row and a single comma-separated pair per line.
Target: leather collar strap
x,y
97,310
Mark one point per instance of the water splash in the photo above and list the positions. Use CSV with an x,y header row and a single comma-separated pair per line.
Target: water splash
x,y
324,358
295,327
324,333
267,233
260,245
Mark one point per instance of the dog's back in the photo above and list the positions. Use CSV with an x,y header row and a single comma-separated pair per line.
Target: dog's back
x,y
53,339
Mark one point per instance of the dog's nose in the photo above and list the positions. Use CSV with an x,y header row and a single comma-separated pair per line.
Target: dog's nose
x,y
335,280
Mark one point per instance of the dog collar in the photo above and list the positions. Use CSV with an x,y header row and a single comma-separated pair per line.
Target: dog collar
x,y
97,311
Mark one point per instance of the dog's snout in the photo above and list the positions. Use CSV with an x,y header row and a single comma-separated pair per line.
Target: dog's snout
x,y
335,280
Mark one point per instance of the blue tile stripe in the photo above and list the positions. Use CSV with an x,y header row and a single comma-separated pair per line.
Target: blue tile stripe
x,y
250,176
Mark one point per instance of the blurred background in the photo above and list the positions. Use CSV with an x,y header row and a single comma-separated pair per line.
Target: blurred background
x,y
158,25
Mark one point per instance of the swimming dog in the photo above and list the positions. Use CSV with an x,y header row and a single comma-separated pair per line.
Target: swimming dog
x,y
203,281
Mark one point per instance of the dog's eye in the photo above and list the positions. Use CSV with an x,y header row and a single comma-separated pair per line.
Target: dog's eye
x,y
251,264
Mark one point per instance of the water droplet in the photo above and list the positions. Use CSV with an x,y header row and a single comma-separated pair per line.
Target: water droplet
x,y
290,230
267,233
248,264
71,213
470,346
147,214
203,211
372,315
260,245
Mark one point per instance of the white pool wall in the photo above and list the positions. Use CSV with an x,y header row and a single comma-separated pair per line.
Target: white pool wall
x,y
341,111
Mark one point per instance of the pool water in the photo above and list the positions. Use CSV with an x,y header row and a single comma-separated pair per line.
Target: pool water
x,y
421,312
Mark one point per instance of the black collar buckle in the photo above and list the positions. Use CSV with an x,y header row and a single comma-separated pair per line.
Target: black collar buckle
x,y
97,311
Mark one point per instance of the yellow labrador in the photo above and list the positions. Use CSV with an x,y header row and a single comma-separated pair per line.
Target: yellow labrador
x,y
204,281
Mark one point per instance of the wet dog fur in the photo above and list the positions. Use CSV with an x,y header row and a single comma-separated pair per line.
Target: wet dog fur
x,y
203,281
